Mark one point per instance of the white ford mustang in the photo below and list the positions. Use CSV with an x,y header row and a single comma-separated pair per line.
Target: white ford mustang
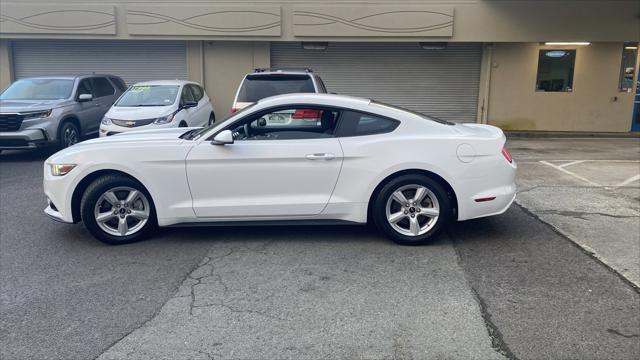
x,y
345,159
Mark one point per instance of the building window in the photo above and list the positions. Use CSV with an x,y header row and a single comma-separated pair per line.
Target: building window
x,y
628,66
555,70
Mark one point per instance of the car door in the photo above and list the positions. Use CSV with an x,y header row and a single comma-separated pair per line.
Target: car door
x,y
104,96
268,173
88,111
202,110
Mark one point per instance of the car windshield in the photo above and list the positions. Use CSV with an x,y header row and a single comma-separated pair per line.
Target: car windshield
x,y
38,89
149,95
260,86
424,116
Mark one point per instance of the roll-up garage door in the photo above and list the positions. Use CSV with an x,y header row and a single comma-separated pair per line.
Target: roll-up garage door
x,y
133,61
439,82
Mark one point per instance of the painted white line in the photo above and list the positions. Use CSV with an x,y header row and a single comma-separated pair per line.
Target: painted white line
x,y
572,163
629,180
570,173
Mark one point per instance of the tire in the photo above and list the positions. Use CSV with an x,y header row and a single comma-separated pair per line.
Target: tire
x,y
96,200
68,135
212,119
182,124
414,224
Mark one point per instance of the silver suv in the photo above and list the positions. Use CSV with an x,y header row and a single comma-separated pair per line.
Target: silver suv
x,y
55,110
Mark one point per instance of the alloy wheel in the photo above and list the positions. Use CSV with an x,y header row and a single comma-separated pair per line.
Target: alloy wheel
x,y
122,211
70,136
412,210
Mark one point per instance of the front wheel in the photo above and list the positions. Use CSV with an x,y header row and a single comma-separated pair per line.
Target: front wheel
x,y
69,135
411,209
118,210
212,119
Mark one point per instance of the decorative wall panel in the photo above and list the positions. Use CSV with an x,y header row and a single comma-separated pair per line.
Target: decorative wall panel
x,y
57,19
379,21
204,20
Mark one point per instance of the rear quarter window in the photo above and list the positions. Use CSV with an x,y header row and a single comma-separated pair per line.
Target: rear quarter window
x,y
260,86
353,123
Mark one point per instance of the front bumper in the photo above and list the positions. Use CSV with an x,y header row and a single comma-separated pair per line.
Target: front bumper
x,y
59,191
23,140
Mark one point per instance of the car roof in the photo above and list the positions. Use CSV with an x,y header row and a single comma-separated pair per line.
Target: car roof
x,y
281,72
165,82
314,98
68,76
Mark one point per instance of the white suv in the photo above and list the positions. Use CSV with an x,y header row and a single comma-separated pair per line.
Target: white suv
x,y
262,83
159,104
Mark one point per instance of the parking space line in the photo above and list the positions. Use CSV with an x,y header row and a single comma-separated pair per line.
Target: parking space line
x,y
629,180
572,163
569,173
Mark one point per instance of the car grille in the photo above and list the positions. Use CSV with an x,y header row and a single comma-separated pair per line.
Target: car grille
x,y
132,123
10,122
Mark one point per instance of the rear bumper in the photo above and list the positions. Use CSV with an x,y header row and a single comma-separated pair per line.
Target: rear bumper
x,y
23,140
489,195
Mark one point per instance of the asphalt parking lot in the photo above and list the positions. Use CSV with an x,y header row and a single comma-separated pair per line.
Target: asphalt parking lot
x,y
548,279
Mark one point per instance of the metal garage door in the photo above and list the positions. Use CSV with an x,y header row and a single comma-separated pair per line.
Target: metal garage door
x,y
133,61
443,83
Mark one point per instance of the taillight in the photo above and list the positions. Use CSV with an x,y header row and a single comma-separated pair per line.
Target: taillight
x,y
506,154
306,114
234,110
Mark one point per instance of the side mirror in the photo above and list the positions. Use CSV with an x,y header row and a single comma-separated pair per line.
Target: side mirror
x,y
189,104
85,97
224,137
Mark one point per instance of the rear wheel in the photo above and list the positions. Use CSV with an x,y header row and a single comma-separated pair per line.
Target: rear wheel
x,y
118,210
411,209
182,124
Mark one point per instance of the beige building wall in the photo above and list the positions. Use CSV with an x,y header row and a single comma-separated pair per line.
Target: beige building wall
x,y
473,20
225,64
595,104
6,66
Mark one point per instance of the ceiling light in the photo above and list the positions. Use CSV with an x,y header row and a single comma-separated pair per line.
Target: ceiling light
x,y
631,47
433,45
576,43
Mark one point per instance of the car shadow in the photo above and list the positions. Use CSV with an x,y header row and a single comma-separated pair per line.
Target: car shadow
x,y
25,155
281,233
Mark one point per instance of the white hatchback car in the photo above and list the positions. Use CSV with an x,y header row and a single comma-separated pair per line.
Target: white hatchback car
x,y
159,104
364,161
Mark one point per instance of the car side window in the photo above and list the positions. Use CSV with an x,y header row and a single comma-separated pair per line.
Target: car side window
x,y
187,95
85,87
354,123
294,123
197,92
102,87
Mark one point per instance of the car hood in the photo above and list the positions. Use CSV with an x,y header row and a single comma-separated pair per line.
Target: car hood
x,y
121,142
138,112
29,105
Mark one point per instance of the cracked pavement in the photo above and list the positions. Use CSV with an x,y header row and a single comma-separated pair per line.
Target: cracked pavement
x,y
348,295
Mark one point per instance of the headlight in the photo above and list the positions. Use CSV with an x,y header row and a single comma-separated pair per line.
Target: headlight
x,y
164,120
61,169
105,121
36,114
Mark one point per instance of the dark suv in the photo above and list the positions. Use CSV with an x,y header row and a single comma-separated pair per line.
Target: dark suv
x,y
55,110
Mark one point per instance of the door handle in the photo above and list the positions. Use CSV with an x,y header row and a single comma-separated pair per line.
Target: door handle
x,y
321,156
